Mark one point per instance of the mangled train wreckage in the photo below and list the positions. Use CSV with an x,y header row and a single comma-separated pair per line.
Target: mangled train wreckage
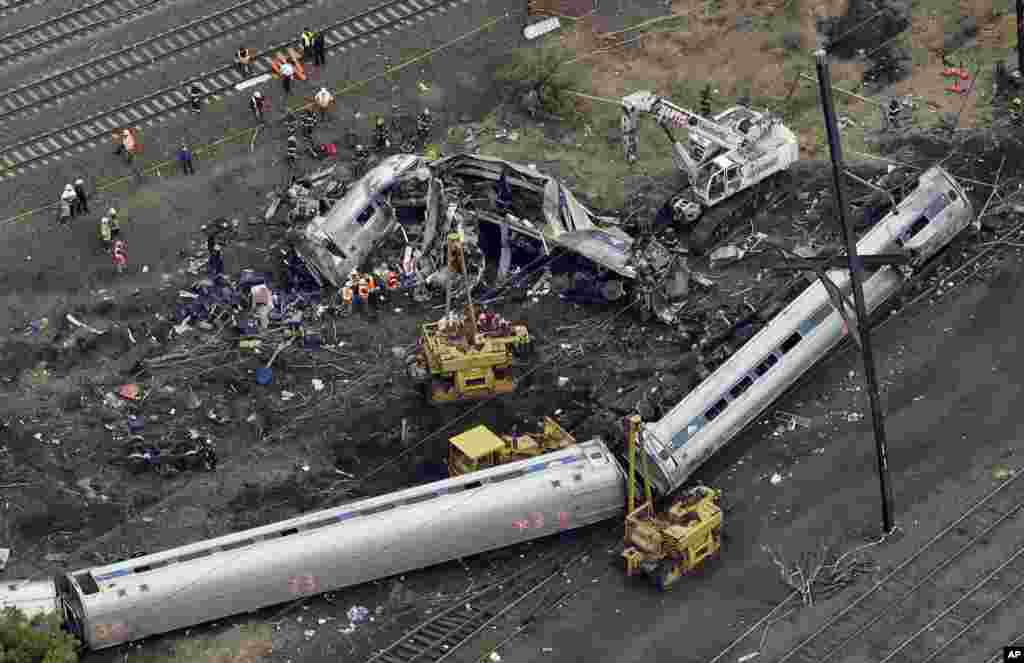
x,y
489,509
460,190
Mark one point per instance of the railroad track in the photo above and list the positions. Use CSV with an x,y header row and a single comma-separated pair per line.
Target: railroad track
x,y
11,6
35,151
439,637
44,35
107,68
880,625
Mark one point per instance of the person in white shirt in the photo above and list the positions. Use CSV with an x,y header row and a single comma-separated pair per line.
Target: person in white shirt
x,y
287,72
323,99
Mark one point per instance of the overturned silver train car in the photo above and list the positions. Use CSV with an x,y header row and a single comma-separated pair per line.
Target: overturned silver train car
x,y
798,337
335,244
330,549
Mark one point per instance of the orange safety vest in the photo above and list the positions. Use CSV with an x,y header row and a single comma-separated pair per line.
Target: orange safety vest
x,y
371,283
364,290
346,295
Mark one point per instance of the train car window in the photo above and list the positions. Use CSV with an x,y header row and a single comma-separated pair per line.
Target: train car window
x,y
716,409
196,555
506,477
323,522
952,195
741,386
664,454
122,592
237,544
556,483
766,365
919,225
597,455
143,588
376,509
289,531
421,498
87,583
471,486
790,342
365,215
578,477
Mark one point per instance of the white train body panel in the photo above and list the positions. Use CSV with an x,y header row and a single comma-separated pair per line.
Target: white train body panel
x,y
348,545
803,333
33,597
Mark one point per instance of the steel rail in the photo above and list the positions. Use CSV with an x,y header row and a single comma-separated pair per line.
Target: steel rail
x,y
974,622
83,76
11,6
44,35
981,503
342,35
887,608
438,638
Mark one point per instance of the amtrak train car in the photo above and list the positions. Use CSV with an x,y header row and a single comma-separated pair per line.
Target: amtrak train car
x,y
347,545
335,244
803,333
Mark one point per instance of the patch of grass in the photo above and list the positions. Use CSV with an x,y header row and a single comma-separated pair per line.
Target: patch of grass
x,y
144,198
246,644
593,164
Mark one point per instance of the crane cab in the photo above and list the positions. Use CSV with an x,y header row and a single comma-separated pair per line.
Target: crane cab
x,y
476,449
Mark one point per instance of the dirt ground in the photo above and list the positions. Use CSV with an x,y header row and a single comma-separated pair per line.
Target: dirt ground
x,y
63,497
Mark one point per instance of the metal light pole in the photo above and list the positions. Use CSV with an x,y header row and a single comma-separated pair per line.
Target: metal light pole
x,y
856,276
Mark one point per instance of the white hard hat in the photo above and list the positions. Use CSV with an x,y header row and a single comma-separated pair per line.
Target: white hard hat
x,y
257,93
79,181
112,212
105,220
68,186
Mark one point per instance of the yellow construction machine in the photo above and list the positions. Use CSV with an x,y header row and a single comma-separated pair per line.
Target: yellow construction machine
x,y
671,545
479,448
459,359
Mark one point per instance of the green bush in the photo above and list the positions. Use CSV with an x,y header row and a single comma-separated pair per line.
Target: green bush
x,y
36,640
543,70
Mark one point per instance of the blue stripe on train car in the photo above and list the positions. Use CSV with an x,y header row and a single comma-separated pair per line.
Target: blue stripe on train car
x,y
112,574
345,516
692,428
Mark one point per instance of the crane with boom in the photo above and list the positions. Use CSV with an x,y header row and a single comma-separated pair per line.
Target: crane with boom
x,y
723,156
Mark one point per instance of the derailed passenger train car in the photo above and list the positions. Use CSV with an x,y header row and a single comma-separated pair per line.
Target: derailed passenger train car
x,y
798,337
334,548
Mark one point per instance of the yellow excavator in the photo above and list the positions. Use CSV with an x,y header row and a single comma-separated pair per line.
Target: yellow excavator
x,y
479,448
668,546
459,359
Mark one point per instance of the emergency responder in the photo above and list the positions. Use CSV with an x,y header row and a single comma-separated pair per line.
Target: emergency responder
x,y
185,157
381,135
119,255
293,150
195,97
424,123
287,72
243,58
105,236
309,123
126,144
258,104
629,130
115,222
323,99
319,49
1017,110
363,292
83,198
893,113
69,197
67,204
306,39
362,156
346,296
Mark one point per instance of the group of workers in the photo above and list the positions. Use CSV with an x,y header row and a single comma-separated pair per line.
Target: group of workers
x,y
368,291
74,201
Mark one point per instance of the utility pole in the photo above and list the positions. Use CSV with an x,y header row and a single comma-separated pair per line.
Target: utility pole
x,y
1020,37
856,277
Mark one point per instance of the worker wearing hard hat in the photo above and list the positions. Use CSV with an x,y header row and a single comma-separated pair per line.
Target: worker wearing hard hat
x,y
323,99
